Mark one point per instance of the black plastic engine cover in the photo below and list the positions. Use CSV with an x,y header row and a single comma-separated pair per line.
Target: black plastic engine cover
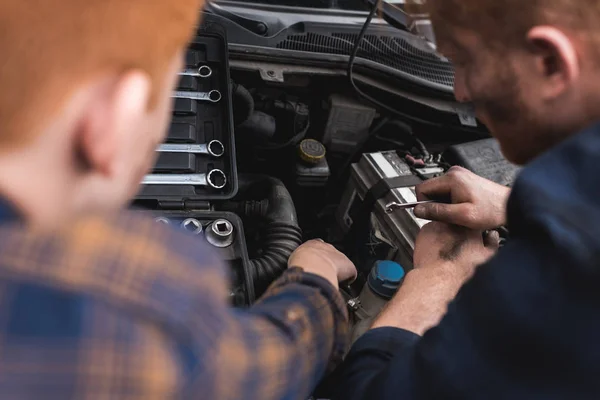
x,y
485,159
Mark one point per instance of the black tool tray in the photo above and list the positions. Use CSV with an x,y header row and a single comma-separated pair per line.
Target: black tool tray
x,y
200,122
236,255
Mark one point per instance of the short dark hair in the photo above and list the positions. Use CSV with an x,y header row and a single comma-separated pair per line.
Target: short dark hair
x,y
508,21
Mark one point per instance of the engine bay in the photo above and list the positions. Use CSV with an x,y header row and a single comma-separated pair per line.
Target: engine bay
x,y
290,152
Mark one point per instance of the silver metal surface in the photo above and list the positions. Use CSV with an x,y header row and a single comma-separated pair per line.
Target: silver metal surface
x,y
400,228
213,148
214,96
220,233
204,71
162,220
192,225
215,179
393,206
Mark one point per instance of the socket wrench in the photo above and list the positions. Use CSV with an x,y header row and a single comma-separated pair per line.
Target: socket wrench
x,y
220,233
192,225
214,96
215,179
214,148
204,71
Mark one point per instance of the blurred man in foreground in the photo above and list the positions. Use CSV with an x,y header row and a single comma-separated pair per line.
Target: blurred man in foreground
x,y
97,304
526,323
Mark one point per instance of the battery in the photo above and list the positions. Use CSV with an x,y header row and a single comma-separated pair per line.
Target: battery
x,y
399,229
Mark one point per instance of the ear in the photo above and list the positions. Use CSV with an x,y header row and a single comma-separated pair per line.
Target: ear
x,y
114,111
557,62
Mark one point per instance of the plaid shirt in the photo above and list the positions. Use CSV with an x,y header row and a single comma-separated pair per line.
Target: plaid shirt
x,y
125,308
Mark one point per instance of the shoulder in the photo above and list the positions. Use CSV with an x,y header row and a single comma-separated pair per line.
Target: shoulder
x,y
556,199
126,259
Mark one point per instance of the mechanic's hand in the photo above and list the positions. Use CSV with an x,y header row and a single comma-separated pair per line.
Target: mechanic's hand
x,y
445,258
456,249
477,203
320,258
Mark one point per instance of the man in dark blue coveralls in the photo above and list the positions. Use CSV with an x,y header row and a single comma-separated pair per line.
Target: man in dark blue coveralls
x,y
526,324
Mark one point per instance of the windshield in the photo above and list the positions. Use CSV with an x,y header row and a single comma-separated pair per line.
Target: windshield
x,y
336,4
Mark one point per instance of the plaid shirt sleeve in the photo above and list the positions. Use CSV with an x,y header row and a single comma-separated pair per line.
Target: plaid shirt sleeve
x,y
123,308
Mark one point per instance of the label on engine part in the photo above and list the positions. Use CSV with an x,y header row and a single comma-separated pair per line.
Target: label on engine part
x,y
466,115
390,165
384,165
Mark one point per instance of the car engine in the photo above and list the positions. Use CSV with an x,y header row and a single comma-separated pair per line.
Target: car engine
x,y
263,155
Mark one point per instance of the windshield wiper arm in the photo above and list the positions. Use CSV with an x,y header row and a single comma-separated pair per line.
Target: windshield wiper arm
x,y
258,27
392,15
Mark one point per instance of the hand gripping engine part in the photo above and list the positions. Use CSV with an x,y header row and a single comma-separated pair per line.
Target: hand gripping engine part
x,y
215,179
213,148
396,231
192,225
204,71
214,96
220,233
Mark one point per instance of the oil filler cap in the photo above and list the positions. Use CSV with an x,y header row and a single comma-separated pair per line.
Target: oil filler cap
x,y
311,151
385,278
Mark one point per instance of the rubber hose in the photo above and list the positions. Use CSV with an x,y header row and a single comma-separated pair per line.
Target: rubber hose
x,y
282,234
243,103
279,243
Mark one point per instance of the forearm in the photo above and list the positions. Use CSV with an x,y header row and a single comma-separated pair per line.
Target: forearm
x,y
294,334
421,301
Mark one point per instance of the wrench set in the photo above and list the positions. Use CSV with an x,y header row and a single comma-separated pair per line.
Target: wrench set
x,y
184,157
196,166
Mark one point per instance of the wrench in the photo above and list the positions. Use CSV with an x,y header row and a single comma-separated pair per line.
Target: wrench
x,y
215,179
214,148
204,71
391,207
214,96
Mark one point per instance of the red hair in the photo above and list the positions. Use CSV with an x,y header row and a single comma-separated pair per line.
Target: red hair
x,y
50,47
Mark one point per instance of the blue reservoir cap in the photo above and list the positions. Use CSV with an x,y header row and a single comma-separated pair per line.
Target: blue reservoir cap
x,y
385,278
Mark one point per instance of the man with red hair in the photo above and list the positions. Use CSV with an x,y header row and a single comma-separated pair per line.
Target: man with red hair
x,y
526,324
100,304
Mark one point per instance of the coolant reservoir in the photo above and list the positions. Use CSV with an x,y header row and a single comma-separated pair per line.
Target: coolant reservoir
x,y
384,280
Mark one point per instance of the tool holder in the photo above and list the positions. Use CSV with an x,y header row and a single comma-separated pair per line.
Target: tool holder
x,y
197,123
